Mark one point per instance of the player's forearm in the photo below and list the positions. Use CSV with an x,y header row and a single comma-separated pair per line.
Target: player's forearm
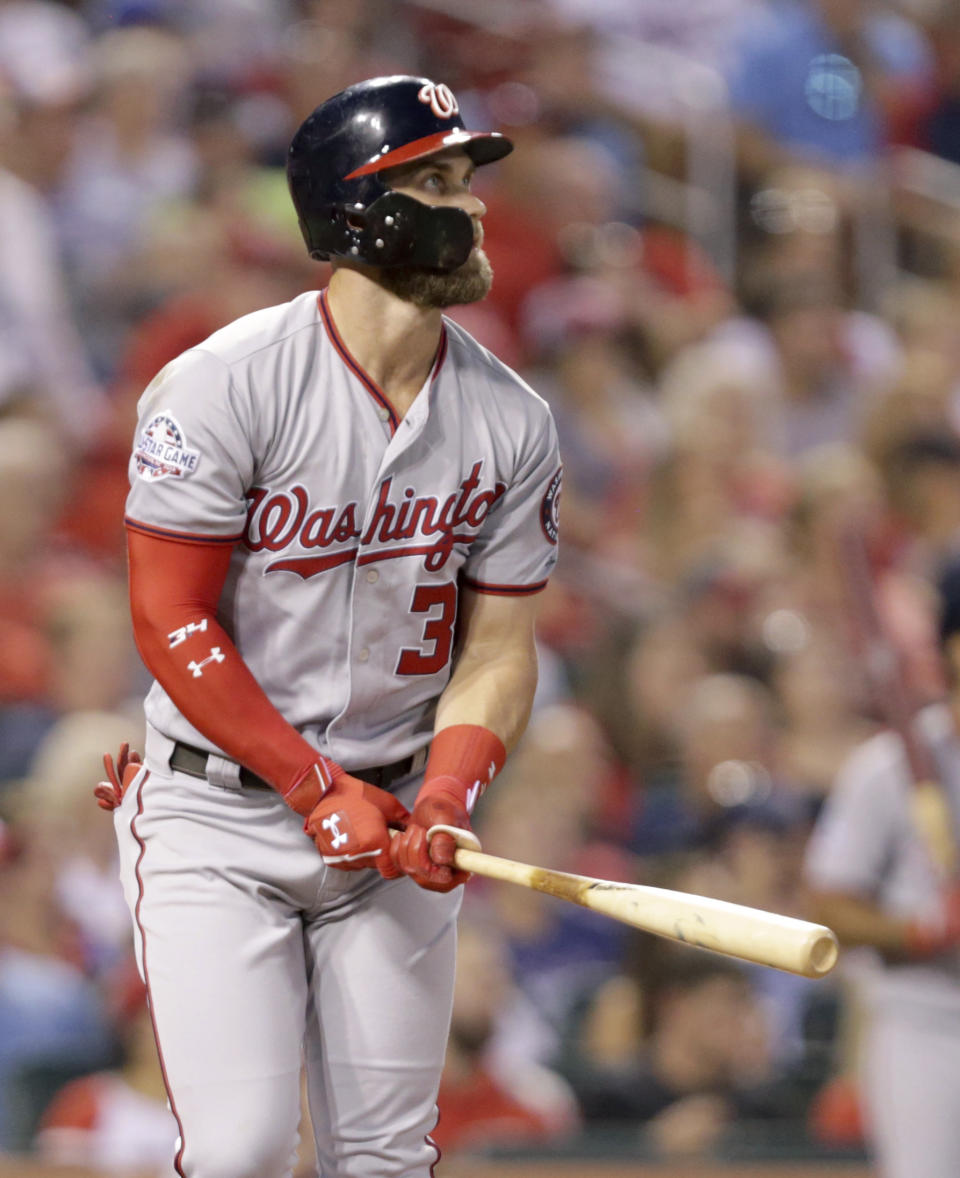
x,y
495,691
859,922
174,589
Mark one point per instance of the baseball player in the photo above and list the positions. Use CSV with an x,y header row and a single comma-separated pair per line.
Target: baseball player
x,y
875,882
341,513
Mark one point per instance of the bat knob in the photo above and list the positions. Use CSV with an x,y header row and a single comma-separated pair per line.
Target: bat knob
x,y
823,953
463,838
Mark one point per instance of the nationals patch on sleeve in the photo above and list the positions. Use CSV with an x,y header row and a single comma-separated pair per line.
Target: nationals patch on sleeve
x,y
550,508
162,452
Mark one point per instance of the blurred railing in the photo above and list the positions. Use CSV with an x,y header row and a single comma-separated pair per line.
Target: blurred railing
x,y
655,83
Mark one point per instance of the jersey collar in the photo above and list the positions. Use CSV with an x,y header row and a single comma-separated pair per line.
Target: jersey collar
x,y
375,391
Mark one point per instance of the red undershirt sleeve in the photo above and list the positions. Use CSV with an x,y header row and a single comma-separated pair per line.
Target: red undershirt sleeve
x,y
175,588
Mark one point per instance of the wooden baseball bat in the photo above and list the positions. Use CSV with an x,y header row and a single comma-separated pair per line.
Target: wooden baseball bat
x,y
748,933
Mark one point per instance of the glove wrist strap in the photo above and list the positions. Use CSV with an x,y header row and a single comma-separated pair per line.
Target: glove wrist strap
x,y
464,759
311,785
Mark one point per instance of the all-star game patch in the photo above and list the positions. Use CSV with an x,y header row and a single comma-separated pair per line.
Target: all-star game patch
x,y
162,451
550,508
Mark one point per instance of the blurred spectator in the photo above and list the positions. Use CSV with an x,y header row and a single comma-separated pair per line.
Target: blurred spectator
x,y
727,763
127,160
116,1121
936,127
821,703
800,220
817,80
53,1023
823,364
488,1102
38,334
919,401
610,427
640,685
725,596
836,488
923,478
700,1063
699,30
701,513
57,810
63,619
923,312
33,483
552,796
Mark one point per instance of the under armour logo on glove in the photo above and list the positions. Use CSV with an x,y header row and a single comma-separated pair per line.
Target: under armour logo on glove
x,y
475,790
350,825
338,836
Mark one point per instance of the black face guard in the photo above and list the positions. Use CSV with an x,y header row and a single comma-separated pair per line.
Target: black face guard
x,y
395,230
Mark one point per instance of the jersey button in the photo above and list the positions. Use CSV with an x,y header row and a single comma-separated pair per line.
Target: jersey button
x,y
363,654
373,576
383,414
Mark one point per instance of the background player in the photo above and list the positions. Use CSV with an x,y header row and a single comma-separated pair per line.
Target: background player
x,y
341,512
875,883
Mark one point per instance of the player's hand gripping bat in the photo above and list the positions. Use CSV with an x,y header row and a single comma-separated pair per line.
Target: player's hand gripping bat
x,y
882,663
748,933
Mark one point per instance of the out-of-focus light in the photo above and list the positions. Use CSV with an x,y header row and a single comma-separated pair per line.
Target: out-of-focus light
x,y
735,783
780,210
785,631
833,87
514,104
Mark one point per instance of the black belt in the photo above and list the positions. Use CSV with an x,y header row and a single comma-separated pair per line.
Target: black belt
x,y
186,758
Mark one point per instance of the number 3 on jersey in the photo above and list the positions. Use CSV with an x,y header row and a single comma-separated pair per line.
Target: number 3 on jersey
x,y
440,601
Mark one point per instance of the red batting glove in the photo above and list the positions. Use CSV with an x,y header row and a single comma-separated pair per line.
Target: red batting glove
x,y
310,786
350,825
109,793
425,850
929,938
463,761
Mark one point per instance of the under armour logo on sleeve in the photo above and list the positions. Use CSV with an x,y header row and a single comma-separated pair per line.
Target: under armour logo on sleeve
x,y
215,656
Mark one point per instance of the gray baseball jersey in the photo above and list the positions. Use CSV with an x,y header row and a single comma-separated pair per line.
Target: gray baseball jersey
x,y
865,843
353,530
909,1052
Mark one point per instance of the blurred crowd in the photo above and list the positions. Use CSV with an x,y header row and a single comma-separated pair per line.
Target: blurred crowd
x,y
727,252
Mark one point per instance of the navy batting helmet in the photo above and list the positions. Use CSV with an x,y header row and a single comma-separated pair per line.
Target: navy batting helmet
x,y
337,155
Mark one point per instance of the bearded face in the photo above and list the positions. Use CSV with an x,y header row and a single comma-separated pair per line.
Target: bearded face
x,y
469,283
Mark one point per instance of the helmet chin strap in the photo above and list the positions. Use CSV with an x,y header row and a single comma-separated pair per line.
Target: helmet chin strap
x,y
398,230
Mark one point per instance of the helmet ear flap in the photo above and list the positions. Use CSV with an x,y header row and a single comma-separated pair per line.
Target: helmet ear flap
x,y
401,231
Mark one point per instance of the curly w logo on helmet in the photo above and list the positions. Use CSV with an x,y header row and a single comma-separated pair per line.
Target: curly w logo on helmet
x,y
440,98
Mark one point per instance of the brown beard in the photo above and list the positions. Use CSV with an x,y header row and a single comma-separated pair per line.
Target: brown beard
x,y
469,283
